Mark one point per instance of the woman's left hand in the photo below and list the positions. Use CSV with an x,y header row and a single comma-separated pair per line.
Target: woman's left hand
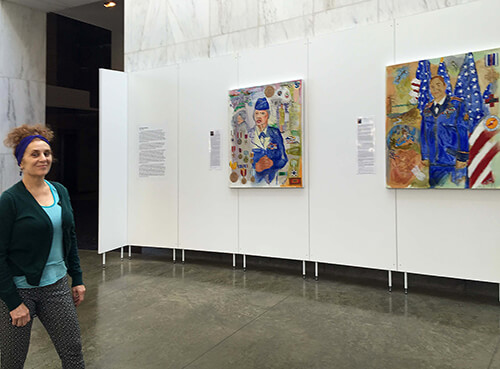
x,y
78,294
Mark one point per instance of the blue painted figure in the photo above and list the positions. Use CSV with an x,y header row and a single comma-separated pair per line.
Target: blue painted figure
x,y
267,145
443,136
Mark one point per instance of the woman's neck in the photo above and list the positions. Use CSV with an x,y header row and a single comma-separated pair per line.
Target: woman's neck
x,y
33,183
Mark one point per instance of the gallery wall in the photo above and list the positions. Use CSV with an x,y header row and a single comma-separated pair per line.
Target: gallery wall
x,y
113,165
275,223
208,209
449,233
153,201
339,217
352,219
22,77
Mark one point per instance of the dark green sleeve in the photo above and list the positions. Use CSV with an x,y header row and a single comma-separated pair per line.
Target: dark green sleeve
x,y
8,290
73,260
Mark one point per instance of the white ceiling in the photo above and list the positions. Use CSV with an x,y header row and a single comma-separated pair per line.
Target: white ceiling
x,y
52,5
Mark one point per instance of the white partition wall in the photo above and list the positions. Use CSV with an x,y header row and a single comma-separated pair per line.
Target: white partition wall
x,y
208,208
339,217
450,233
446,232
274,222
153,203
352,216
113,153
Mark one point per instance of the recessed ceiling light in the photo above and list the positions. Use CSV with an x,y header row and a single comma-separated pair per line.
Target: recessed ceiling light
x,y
109,4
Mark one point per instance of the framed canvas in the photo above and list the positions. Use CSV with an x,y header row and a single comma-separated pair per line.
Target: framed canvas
x,y
442,122
265,136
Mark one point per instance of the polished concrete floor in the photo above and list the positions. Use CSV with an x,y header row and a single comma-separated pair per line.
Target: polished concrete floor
x,y
150,313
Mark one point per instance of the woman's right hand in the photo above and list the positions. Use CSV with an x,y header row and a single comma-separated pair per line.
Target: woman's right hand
x,y
20,316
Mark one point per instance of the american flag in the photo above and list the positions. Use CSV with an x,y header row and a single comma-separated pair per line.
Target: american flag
x,y
423,74
467,88
483,148
415,91
483,128
443,72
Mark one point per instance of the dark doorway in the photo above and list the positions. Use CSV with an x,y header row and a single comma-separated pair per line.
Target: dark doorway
x,y
75,52
76,165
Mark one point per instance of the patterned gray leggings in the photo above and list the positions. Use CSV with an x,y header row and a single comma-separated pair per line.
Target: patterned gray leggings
x,y
53,305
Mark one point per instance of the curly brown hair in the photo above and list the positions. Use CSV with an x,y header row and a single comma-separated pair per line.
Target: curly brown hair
x,y
17,134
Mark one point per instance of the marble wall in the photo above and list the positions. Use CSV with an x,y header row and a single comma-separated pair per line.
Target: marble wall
x,y
22,77
164,32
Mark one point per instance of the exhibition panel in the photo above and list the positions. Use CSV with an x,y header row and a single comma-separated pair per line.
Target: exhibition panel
x,y
200,136
152,158
113,154
274,222
449,233
208,208
352,219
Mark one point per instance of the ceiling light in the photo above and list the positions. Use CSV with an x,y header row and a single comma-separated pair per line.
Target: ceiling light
x,y
109,4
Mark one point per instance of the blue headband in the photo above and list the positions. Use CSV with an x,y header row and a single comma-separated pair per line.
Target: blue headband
x,y
21,148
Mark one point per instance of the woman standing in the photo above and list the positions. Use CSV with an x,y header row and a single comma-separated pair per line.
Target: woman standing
x,y
37,250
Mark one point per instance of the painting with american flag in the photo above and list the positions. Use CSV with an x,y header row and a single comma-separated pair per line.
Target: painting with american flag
x,y
442,122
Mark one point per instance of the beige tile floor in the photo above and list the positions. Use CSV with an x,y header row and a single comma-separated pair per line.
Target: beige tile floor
x,y
150,313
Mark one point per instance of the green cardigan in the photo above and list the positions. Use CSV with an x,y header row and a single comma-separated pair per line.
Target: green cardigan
x,y
26,238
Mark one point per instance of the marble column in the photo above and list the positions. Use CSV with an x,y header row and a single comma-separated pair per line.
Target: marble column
x,y
22,77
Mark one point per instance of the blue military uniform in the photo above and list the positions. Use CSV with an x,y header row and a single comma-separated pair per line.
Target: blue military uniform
x,y
275,150
444,140
267,143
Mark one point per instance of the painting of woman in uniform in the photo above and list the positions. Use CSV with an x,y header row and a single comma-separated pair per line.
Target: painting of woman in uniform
x,y
266,136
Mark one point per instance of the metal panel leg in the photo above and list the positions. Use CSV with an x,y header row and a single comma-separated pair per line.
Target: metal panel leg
x,y
316,273
104,260
244,263
173,255
304,269
121,253
406,282
390,281
130,252
234,261
183,256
